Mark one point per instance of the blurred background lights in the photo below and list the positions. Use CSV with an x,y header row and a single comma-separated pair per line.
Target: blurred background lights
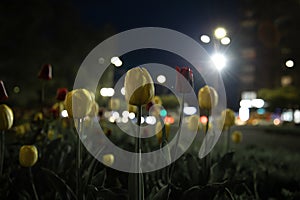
x,y
163,113
16,89
219,60
189,110
203,119
289,63
64,113
150,120
161,78
125,113
115,114
257,103
276,121
205,38
107,92
297,116
287,115
123,91
225,41
101,60
244,113
131,115
220,32
116,61
246,103
169,120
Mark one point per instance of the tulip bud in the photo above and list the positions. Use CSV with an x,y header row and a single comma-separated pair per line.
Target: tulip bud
x,y
108,159
181,85
139,87
61,94
193,123
3,94
132,108
229,117
45,72
78,103
207,97
114,104
237,136
28,155
6,117
94,109
158,131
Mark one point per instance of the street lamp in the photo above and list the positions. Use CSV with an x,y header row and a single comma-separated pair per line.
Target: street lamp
x,y
219,39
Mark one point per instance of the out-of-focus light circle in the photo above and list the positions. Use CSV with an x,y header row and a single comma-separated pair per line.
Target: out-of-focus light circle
x,y
246,103
189,110
107,92
203,119
101,61
219,60
123,91
142,120
244,114
276,122
225,41
116,61
131,115
257,103
261,111
124,120
205,38
125,113
289,63
169,120
16,89
297,116
64,113
150,120
161,78
220,32
111,119
163,113
115,114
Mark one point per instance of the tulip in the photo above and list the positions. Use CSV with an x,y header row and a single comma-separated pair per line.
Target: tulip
x,y
132,108
207,97
3,94
158,131
229,117
6,117
181,85
193,123
61,94
139,87
28,155
45,72
78,103
94,109
237,136
108,159
38,117
114,104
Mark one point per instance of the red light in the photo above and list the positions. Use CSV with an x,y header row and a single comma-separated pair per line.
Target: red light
x,y
169,119
203,119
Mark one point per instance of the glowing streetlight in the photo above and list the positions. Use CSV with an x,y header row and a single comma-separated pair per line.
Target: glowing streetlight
x,y
219,60
205,38
220,32
225,40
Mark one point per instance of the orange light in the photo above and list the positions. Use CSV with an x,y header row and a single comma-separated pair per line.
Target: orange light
x,y
276,122
169,120
203,119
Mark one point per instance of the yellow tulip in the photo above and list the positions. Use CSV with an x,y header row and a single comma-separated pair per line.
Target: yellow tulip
x,y
139,87
158,131
132,108
228,117
108,159
28,155
237,136
114,104
157,100
78,103
94,109
6,117
207,97
38,117
50,134
193,123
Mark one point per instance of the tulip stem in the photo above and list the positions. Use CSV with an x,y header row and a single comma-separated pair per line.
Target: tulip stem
x,y
178,136
2,151
206,159
228,140
32,184
139,175
78,160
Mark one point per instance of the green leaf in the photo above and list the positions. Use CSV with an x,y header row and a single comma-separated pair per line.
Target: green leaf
x,y
220,168
163,193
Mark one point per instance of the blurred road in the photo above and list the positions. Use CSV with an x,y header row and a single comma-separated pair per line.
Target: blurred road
x,y
270,136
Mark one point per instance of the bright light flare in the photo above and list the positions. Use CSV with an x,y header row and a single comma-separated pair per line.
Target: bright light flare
x,y
225,41
220,32
219,61
205,38
161,78
289,63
